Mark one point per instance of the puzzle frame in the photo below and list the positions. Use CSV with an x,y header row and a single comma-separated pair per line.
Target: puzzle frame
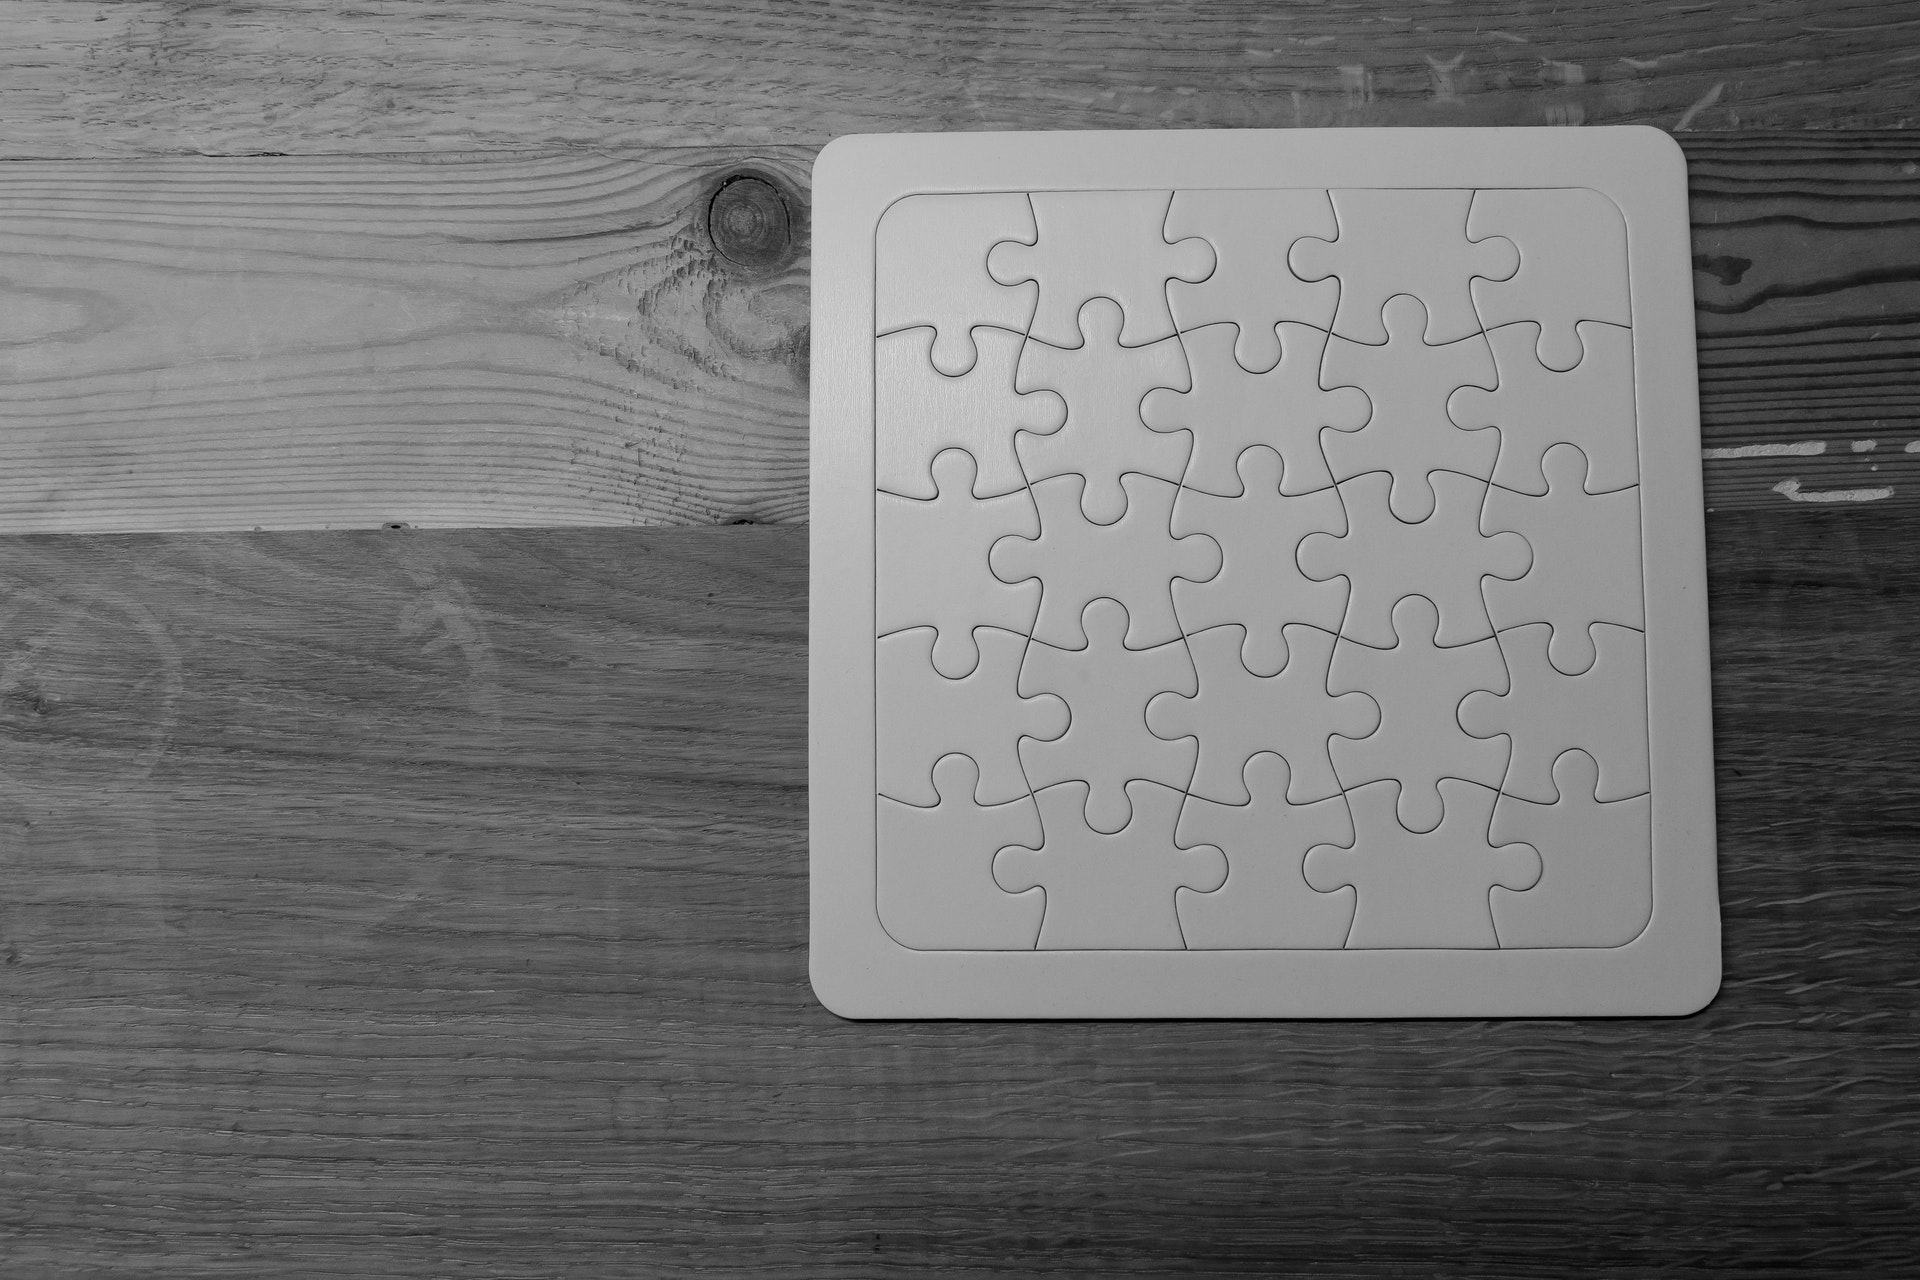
x,y
859,970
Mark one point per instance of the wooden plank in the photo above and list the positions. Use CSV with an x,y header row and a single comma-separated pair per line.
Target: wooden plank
x,y
326,342
396,904
153,77
554,340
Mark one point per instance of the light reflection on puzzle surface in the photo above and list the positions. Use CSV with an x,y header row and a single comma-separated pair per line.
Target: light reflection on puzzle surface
x,y
1258,570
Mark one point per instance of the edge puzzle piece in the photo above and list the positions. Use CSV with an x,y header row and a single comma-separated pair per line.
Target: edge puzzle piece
x,y
1573,264
1403,240
921,715
1251,285
1266,900
920,412
1426,889
1590,406
931,560
1110,892
1101,244
1596,864
930,268
935,889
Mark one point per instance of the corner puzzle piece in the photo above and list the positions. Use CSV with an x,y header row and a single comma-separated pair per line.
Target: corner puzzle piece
x,y
1603,712
1590,406
919,412
921,715
1251,285
1573,264
1259,585
1110,892
1398,240
930,268
935,889
1586,559
931,569
1266,901
1133,560
1237,715
1101,244
1107,687
1596,864
1103,384
1384,558
1422,889
1409,434
1230,410
1418,687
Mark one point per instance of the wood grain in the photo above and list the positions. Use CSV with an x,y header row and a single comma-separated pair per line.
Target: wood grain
x,y
236,77
555,340
328,342
458,924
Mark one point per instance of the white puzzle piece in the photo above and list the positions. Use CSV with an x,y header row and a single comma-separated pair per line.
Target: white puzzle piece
x,y
931,258
1110,892
1266,901
1596,864
1105,686
977,412
1229,410
1101,244
1251,285
1102,384
1258,574
1256,588
936,886
1418,687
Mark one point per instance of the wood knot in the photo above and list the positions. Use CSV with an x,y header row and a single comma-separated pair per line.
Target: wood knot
x,y
750,223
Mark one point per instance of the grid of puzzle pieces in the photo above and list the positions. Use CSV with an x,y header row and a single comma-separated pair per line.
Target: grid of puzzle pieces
x,y
1258,569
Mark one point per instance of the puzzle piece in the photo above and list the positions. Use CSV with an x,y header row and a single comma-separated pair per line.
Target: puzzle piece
x,y
930,268
1400,240
1573,264
1266,900
1418,687
1251,285
1133,560
1586,559
1230,410
1444,557
1422,889
1103,384
1409,433
1101,244
936,890
920,411
1591,407
1110,891
1602,711
932,568
1107,687
1259,585
1596,864
1236,715
921,715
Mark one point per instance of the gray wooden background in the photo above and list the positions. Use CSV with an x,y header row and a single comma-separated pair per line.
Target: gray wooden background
x,y
402,669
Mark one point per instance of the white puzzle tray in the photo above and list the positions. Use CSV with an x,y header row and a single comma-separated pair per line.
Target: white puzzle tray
x,y
1258,574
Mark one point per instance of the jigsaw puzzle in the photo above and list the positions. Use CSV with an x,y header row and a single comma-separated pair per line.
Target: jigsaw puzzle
x,y
1264,572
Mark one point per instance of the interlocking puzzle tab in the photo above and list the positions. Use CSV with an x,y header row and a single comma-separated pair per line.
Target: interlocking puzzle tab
x,y
1258,569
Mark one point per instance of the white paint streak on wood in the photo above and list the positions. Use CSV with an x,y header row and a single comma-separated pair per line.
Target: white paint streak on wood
x,y
1864,446
1798,449
1791,490
1706,100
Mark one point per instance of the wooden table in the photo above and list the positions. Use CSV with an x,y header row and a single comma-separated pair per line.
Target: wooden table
x,y
402,695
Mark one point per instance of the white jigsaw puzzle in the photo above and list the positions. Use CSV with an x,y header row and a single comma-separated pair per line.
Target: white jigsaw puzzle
x,y
1233,591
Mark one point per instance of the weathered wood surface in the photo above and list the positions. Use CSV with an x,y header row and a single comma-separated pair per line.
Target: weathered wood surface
x,y
156,77
193,344
395,904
